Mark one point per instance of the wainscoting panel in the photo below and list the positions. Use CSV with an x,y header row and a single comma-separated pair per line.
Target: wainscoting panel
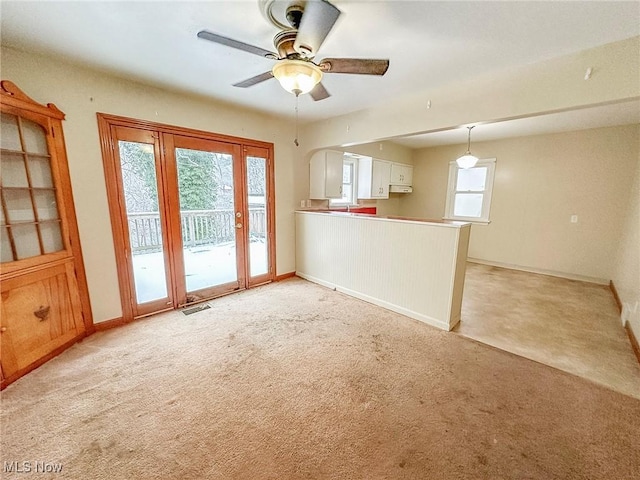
x,y
415,268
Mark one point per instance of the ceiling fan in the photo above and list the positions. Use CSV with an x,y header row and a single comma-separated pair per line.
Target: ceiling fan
x,y
309,22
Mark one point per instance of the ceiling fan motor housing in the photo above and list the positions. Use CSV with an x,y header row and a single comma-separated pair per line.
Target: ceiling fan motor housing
x,y
294,15
283,41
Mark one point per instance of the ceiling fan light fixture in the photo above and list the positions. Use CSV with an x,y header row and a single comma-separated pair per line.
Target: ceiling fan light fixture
x,y
297,76
467,160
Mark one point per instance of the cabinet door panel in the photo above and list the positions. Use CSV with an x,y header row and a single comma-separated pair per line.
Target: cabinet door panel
x,y
325,174
407,175
401,174
381,178
396,174
39,314
334,166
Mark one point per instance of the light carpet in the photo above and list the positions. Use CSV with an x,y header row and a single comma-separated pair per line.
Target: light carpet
x,y
295,381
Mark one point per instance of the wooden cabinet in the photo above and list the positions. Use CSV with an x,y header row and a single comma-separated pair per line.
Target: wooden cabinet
x,y
325,174
45,304
373,178
41,312
401,174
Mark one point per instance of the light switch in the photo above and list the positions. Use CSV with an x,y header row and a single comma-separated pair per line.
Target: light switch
x,y
574,218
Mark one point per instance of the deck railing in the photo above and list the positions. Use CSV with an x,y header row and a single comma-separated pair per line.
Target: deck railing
x,y
199,227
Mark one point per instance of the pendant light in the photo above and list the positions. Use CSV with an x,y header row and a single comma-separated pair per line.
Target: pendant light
x,y
467,160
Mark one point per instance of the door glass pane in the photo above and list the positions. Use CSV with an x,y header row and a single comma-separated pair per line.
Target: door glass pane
x,y
5,246
51,237
472,179
46,205
26,241
207,217
468,205
40,171
18,204
9,136
140,186
34,137
13,171
257,192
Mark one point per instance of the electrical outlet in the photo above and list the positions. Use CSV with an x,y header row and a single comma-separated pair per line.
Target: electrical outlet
x,y
574,218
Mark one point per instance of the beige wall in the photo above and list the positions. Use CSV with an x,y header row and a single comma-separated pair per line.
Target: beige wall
x,y
80,93
626,275
543,87
540,182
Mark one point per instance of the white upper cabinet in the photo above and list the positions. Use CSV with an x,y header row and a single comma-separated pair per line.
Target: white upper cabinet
x,y
374,177
325,175
401,174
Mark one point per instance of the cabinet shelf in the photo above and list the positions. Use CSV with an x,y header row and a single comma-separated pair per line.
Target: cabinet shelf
x,y
7,151
31,222
51,189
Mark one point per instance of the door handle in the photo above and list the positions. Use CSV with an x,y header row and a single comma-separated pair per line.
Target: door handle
x,y
238,214
238,225
42,313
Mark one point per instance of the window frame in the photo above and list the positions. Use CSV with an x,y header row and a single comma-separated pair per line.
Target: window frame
x,y
340,202
490,164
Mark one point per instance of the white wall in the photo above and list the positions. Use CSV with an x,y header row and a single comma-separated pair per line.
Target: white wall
x,y
540,182
626,275
80,93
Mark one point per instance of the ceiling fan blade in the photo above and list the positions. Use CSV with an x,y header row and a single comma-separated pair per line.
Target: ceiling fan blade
x,y
319,92
318,19
250,82
229,42
360,66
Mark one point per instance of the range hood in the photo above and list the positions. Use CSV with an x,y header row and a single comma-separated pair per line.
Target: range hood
x,y
400,189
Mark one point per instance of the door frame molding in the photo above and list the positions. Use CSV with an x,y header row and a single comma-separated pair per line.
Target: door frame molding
x,y
109,157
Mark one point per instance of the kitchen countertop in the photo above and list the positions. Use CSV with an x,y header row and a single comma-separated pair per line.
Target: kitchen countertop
x,y
393,218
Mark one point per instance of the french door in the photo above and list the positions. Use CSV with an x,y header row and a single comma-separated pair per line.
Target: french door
x,y
192,213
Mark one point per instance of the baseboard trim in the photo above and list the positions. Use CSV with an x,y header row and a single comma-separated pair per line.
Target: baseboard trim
x,y
284,276
109,324
434,322
616,297
633,339
540,271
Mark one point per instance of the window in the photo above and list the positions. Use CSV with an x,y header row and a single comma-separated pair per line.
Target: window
x,y
349,186
469,191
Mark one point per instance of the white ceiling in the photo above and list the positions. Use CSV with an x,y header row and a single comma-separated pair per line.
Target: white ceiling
x,y
429,44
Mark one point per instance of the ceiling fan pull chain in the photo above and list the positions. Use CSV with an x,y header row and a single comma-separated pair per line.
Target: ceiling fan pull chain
x,y
295,141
